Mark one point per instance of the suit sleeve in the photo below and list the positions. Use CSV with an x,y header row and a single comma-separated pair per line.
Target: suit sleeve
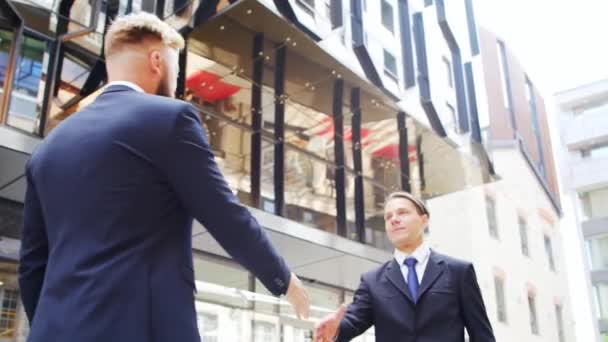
x,y
358,317
34,250
475,316
202,189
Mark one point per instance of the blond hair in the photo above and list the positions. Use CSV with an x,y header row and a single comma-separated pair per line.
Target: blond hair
x,y
420,207
138,28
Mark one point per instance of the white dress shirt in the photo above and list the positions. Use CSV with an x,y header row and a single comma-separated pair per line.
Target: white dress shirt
x,y
127,84
421,254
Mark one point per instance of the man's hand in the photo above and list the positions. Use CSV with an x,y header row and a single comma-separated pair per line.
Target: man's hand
x,y
298,297
327,329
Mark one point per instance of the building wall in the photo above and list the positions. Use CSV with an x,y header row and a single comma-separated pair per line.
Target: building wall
x,y
500,117
459,227
583,126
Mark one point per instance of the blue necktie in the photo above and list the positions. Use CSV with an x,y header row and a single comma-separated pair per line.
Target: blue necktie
x,y
412,277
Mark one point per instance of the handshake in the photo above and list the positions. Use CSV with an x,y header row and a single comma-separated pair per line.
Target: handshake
x,y
327,329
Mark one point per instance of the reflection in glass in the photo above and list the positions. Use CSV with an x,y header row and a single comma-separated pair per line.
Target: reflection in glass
x,y
6,41
28,86
375,196
310,190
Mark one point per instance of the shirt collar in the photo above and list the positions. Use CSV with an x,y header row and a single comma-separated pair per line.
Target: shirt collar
x,y
421,254
127,84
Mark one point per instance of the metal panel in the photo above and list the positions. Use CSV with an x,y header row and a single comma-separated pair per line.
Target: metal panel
x,y
180,91
279,129
448,34
407,52
336,14
472,101
472,26
339,157
403,153
49,84
355,106
256,119
359,46
423,76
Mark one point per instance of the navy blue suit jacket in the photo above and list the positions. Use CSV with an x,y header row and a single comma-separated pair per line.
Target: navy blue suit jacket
x,y
449,301
106,250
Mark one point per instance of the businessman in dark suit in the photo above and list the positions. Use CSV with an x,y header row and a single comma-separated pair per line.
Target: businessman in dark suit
x,y
106,250
419,295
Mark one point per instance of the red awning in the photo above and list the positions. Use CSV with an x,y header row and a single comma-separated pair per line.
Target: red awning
x,y
328,129
392,152
208,86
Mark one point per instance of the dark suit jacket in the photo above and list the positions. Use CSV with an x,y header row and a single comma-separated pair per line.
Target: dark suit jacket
x,y
449,301
106,249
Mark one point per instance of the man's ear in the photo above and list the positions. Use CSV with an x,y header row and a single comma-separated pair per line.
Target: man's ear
x,y
155,61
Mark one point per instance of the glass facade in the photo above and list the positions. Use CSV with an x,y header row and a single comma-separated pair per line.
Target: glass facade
x,y
223,94
28,84
232,307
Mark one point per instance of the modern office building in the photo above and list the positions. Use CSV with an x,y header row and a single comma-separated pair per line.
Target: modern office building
x,y
316,110
583,121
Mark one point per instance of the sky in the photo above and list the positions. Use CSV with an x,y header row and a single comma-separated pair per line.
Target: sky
x,y
560,43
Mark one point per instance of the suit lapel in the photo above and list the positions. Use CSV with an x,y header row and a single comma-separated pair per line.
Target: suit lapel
x,y
395,277
434,269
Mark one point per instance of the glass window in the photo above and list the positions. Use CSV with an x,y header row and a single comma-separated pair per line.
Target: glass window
x,y
451,119
595,203
374,197
529,91
448,71
533,315
601,300
504,77
264,331
598,252
323,299
216,280
501,308
597,151
549,251
309,129
8,315
390,65
388,16
310,190
6,41
559,317
307,5
491,216
523,236
208,327
296,334
28,85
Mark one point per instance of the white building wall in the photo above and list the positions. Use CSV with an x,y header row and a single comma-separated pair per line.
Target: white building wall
x,y
579,124
459,227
